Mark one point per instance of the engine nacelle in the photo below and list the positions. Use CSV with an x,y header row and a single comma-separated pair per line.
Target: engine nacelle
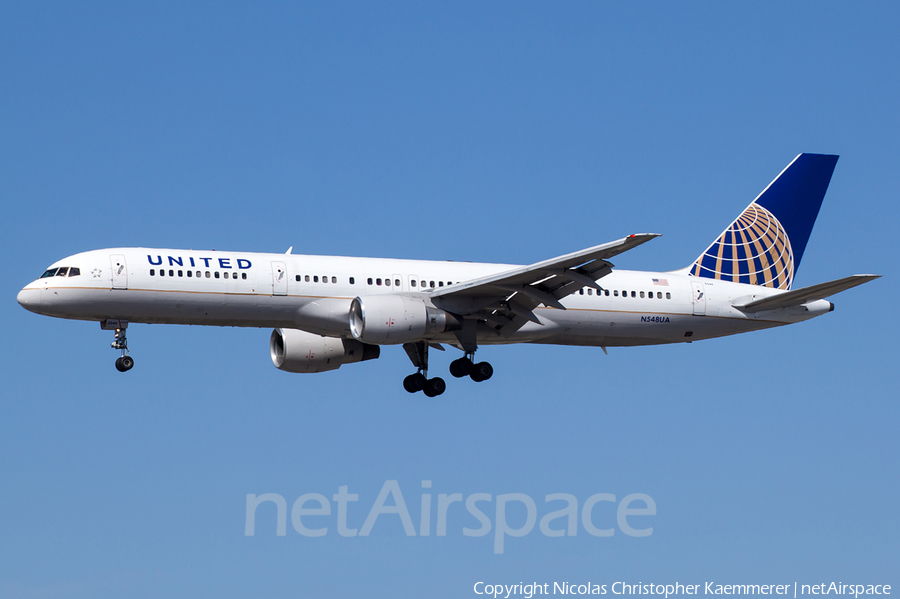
x,y
299,351
394,319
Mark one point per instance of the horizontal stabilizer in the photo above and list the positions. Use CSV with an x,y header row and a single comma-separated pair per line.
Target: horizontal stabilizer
x,y
807,294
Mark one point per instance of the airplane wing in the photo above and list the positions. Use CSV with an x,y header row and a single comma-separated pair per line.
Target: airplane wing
x,y
806,294
506,300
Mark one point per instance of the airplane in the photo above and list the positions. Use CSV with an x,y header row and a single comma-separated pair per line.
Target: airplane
x,y
328,311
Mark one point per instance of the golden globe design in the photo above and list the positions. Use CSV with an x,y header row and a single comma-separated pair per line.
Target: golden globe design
x,y
755,249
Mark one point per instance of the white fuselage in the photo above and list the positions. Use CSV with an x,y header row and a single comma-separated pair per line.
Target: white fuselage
x,y
314,293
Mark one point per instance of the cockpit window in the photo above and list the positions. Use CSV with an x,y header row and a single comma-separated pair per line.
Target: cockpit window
x,y
61,271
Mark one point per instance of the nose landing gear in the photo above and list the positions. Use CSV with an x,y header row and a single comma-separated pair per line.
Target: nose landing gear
x,y
124,363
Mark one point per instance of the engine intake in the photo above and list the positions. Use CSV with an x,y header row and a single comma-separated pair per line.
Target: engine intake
x,y
298,351
395,319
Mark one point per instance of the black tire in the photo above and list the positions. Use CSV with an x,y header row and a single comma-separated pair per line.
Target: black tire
x,y
435,387
481,372
461,367
414,382
119,366
127,363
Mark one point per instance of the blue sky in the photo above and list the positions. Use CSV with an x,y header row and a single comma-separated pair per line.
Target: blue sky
x,y
501,132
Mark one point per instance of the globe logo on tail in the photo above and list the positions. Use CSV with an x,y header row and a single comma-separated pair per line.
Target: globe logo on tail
x,y
755,249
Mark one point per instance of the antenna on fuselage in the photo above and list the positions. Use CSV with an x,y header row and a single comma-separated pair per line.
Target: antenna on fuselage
x,y
289,250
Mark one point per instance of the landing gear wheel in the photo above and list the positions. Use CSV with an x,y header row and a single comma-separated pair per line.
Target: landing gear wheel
x,y
461,367
434,387
414,382
119,366
481,372
127,363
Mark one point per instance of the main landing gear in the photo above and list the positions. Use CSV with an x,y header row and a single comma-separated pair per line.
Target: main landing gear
x,y
465,366
124,363
419,381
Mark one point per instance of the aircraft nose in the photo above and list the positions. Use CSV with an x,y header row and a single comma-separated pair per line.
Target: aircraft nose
x,y
30,299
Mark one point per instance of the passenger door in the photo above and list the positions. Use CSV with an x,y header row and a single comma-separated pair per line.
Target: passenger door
x,y
699,299
279,279
119,271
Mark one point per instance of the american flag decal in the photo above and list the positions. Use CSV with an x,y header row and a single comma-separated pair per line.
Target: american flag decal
x,y
663,282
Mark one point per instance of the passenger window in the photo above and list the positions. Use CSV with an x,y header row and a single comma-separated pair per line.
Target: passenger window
x,y
659,295
387,282
234,275
316,279
225,274
198,274
378,281
668,295
74,272
440,283
412,282
207,274
244,276
298,278
190,273
432,285
62,271
422,284
642,294
590,292
632,294
581,291
180,273
171,272
334,279
616,293
606,292
396,282
217,274
369,280
162,273
152,272
352,281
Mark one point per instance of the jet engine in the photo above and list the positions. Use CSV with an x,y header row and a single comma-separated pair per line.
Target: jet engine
x,y
395,319
298,351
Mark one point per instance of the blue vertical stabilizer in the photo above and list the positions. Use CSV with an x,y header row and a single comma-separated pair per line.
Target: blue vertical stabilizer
x,y
764,245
